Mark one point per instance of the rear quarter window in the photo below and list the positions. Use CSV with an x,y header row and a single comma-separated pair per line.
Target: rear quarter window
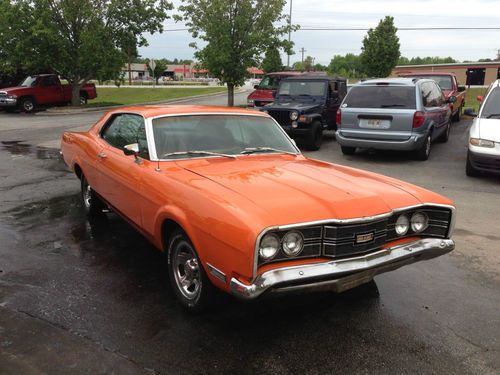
x,y
381,97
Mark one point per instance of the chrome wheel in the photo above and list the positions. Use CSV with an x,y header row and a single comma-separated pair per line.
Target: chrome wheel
x,y
186,271
87,196
428,146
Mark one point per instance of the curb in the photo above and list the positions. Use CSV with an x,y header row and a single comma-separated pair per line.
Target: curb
x,y
75,111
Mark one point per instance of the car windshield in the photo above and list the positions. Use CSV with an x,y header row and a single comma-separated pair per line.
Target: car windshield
x,y
444,82
269,83
195,136
28,82
491,107
381,97
302,88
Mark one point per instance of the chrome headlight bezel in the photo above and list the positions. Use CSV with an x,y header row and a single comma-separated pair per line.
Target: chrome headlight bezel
x,y
403,222
269,237
294,115
299,241
414,218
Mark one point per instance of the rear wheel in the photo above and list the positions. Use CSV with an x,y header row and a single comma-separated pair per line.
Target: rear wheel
x,y
27,105
469,168
187,277
92,204
346,150
425,150
83,98
314,138
446,134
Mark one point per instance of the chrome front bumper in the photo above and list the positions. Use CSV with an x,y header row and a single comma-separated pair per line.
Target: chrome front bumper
x,y
342,274
8,102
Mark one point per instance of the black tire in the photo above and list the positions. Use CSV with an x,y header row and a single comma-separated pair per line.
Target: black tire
x,y
456,117
187,276
469,168
92,204
443,138
83,98
425,150
314,138
346,150
27,105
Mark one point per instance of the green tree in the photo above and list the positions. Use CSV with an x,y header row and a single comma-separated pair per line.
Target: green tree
x,y
236,33
272,61
160,67
380,51
425,60
79,39
349,66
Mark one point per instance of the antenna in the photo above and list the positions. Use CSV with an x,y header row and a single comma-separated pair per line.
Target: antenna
x,y
158,166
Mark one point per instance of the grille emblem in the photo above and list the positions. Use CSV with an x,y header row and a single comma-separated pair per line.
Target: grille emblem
x,y
363,238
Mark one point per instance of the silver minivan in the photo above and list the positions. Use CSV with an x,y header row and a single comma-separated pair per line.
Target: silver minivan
x,y
394,114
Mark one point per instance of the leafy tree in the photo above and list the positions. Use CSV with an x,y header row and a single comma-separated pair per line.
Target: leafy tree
x,y
80,39
349,66
160,67
236,33
272,61
425,60
380,51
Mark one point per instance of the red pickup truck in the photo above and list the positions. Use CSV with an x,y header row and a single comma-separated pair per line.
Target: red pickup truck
x,y
449,86
42,90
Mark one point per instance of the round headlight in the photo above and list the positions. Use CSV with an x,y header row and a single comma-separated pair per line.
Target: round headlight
x,y
293,243
419,222
402,225
294,115
269,246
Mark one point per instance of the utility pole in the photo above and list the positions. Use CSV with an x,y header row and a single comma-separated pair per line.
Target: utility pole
x,y
289,33
302,50
498,55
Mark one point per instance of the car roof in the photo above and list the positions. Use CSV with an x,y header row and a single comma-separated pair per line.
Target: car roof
x,y
315,77
412,74
389,81
149,111
286,73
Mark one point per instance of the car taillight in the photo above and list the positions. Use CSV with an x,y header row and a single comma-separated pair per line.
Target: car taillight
x,y
418,119
338,118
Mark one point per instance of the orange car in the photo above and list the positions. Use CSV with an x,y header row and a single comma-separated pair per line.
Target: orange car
x,y
229,198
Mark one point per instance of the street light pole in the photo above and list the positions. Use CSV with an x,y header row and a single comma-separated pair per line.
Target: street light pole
x,y
289,33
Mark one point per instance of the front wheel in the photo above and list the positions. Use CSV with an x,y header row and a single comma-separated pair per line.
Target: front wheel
x,y
28,105
457,115
83,99
469,168
187,277
92,204
314,138
446,134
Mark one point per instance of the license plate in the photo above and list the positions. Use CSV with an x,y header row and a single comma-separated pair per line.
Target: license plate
x,y
374,123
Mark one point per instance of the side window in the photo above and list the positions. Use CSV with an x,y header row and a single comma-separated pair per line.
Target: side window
x,y
48,81
126,129
426,94
438,94
431,95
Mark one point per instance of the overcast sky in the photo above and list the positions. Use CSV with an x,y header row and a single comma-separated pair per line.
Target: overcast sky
x,y
322,45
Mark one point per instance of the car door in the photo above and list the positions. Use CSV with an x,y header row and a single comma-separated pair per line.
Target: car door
x,y
50,90
440,109
119,174
332,104
432,102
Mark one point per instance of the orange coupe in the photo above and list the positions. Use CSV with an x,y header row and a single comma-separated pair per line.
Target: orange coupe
x,y
234,204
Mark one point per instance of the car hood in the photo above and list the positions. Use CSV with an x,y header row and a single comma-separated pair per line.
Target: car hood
x,y
262,94
489,129
293,105
295,189
14,90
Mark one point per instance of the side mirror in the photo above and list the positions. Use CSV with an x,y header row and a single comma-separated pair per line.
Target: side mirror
x,y
470,112
131,149
452,99
479,98
461,88
256,87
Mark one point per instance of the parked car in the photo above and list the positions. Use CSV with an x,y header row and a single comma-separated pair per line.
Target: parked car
x,y
394,114
265,91
449,85
483,154
307,105
42,90
226,194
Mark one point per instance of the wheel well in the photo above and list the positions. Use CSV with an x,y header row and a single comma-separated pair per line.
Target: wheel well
x,y
78,171
167,228
27,96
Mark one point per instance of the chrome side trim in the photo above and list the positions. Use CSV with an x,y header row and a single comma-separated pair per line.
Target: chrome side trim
x,y
345,221
343,273
217,273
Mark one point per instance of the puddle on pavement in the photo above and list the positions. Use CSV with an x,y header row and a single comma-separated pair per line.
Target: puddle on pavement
x,y
20,148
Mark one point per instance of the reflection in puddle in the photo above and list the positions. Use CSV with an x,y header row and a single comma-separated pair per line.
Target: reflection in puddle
x,y
18,148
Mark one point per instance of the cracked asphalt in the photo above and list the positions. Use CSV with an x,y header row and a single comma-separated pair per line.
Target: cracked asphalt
x,y
92,297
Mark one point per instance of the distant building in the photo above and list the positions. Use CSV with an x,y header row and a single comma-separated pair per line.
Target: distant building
x,y
137,71
474,74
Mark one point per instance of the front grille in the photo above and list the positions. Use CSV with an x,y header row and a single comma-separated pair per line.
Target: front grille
x,y
3,94
283,117
260,103
346,240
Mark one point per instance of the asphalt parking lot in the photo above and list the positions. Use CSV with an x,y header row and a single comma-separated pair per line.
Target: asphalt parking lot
x,y
93,297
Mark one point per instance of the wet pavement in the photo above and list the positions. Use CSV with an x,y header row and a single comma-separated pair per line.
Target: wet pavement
x,y
80,296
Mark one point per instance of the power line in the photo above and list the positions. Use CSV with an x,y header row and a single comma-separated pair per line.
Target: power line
x,y
366,29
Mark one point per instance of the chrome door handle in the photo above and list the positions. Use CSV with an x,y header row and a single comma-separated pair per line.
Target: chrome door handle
x,y
102,155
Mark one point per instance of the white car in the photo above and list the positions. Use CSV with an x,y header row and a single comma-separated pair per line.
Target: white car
x,y
484,136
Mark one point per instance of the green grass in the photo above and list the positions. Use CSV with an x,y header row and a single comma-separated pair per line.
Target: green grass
x,y
470,98
125,96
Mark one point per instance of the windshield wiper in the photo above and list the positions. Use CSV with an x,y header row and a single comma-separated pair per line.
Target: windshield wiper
x,y
197,152
493,115
392,105
253,150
